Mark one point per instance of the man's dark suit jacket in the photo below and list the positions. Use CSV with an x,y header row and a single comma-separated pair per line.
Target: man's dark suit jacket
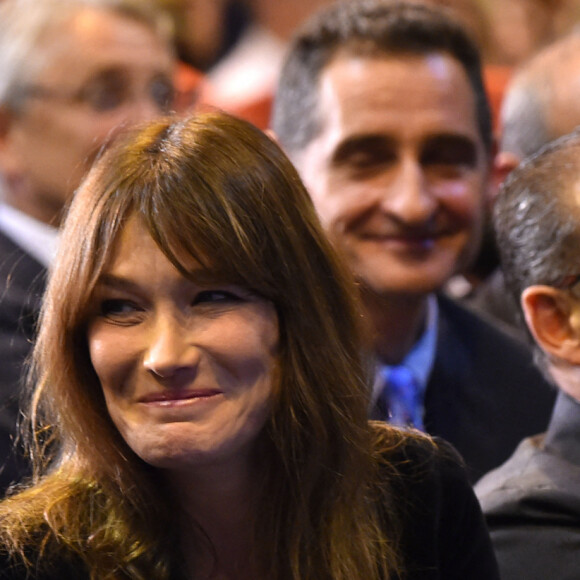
x,y
532,502
22,281
484,394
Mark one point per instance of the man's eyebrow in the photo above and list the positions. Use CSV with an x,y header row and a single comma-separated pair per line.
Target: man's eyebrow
x,y
363,142
106,73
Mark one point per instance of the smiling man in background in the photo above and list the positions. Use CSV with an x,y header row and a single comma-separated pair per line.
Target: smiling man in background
x,y
382,108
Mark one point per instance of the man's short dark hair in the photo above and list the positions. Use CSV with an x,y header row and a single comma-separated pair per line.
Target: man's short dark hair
x,y
537,219
366,28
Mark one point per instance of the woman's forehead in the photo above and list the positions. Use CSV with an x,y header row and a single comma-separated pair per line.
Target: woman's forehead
x,y
135,237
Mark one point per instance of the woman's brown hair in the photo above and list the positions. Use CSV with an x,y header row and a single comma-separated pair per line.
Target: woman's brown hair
x,y
217,189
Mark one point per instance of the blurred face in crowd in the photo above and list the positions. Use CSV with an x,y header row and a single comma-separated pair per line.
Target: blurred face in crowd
x,y
186,365
399,169
101,71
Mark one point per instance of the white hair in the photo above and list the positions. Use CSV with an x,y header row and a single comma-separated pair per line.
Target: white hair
x,y
25,23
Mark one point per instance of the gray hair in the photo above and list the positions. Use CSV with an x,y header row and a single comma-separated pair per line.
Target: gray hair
x,y
25,23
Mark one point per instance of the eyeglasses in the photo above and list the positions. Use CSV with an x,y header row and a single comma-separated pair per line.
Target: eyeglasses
x,y
108,93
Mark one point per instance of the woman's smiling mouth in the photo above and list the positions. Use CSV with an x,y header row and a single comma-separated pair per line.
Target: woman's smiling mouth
x,y
177,397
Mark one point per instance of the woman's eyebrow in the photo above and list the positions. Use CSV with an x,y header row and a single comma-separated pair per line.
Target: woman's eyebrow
x,y
115,282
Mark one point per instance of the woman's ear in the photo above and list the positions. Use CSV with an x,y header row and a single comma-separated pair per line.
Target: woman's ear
x,y
553,318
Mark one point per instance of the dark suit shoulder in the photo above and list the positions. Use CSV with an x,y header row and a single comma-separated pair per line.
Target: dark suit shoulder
x,y
532,483
18,267
532,507
22,281
485,393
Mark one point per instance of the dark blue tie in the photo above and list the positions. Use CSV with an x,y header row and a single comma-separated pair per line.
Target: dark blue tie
x,y
402,397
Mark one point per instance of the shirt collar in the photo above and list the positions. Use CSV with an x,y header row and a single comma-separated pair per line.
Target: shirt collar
x,y
35,237
420,358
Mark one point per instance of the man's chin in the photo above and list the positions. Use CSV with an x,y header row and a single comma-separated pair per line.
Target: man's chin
x,y
410,286
388,275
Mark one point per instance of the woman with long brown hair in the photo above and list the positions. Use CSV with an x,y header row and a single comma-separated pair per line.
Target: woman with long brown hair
x,y
199,402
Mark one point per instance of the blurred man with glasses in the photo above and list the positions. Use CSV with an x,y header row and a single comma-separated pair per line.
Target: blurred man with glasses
x,y
73,73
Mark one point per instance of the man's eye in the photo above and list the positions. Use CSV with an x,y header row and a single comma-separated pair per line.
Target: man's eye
x,y
365,159
162,93
366,153
103,97
451,152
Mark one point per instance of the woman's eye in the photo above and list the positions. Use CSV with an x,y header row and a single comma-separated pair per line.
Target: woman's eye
x,y
216,296
118,309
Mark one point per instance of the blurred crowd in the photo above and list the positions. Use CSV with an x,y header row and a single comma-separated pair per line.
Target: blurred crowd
x,y
435,139
239,44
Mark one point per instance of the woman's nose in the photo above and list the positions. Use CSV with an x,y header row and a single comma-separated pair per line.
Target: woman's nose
x,y
170,349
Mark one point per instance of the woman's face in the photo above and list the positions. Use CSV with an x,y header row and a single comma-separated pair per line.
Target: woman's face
x,y
187,368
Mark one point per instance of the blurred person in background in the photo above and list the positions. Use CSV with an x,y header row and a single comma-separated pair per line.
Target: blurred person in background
x,y
205,30
520,28
541,104
72,74
244,79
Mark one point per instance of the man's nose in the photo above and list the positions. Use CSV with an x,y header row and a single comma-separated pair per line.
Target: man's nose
x,y
409,197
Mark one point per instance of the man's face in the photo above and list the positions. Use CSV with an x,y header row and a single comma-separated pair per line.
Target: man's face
x,y
399,169
101,72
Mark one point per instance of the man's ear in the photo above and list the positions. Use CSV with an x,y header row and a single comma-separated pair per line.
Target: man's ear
x,y
502,164
553,318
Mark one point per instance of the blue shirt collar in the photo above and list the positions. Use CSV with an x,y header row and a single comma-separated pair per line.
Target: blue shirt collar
x,y
420,358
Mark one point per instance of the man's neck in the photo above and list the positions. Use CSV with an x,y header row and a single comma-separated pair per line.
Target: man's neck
x,y
397,323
